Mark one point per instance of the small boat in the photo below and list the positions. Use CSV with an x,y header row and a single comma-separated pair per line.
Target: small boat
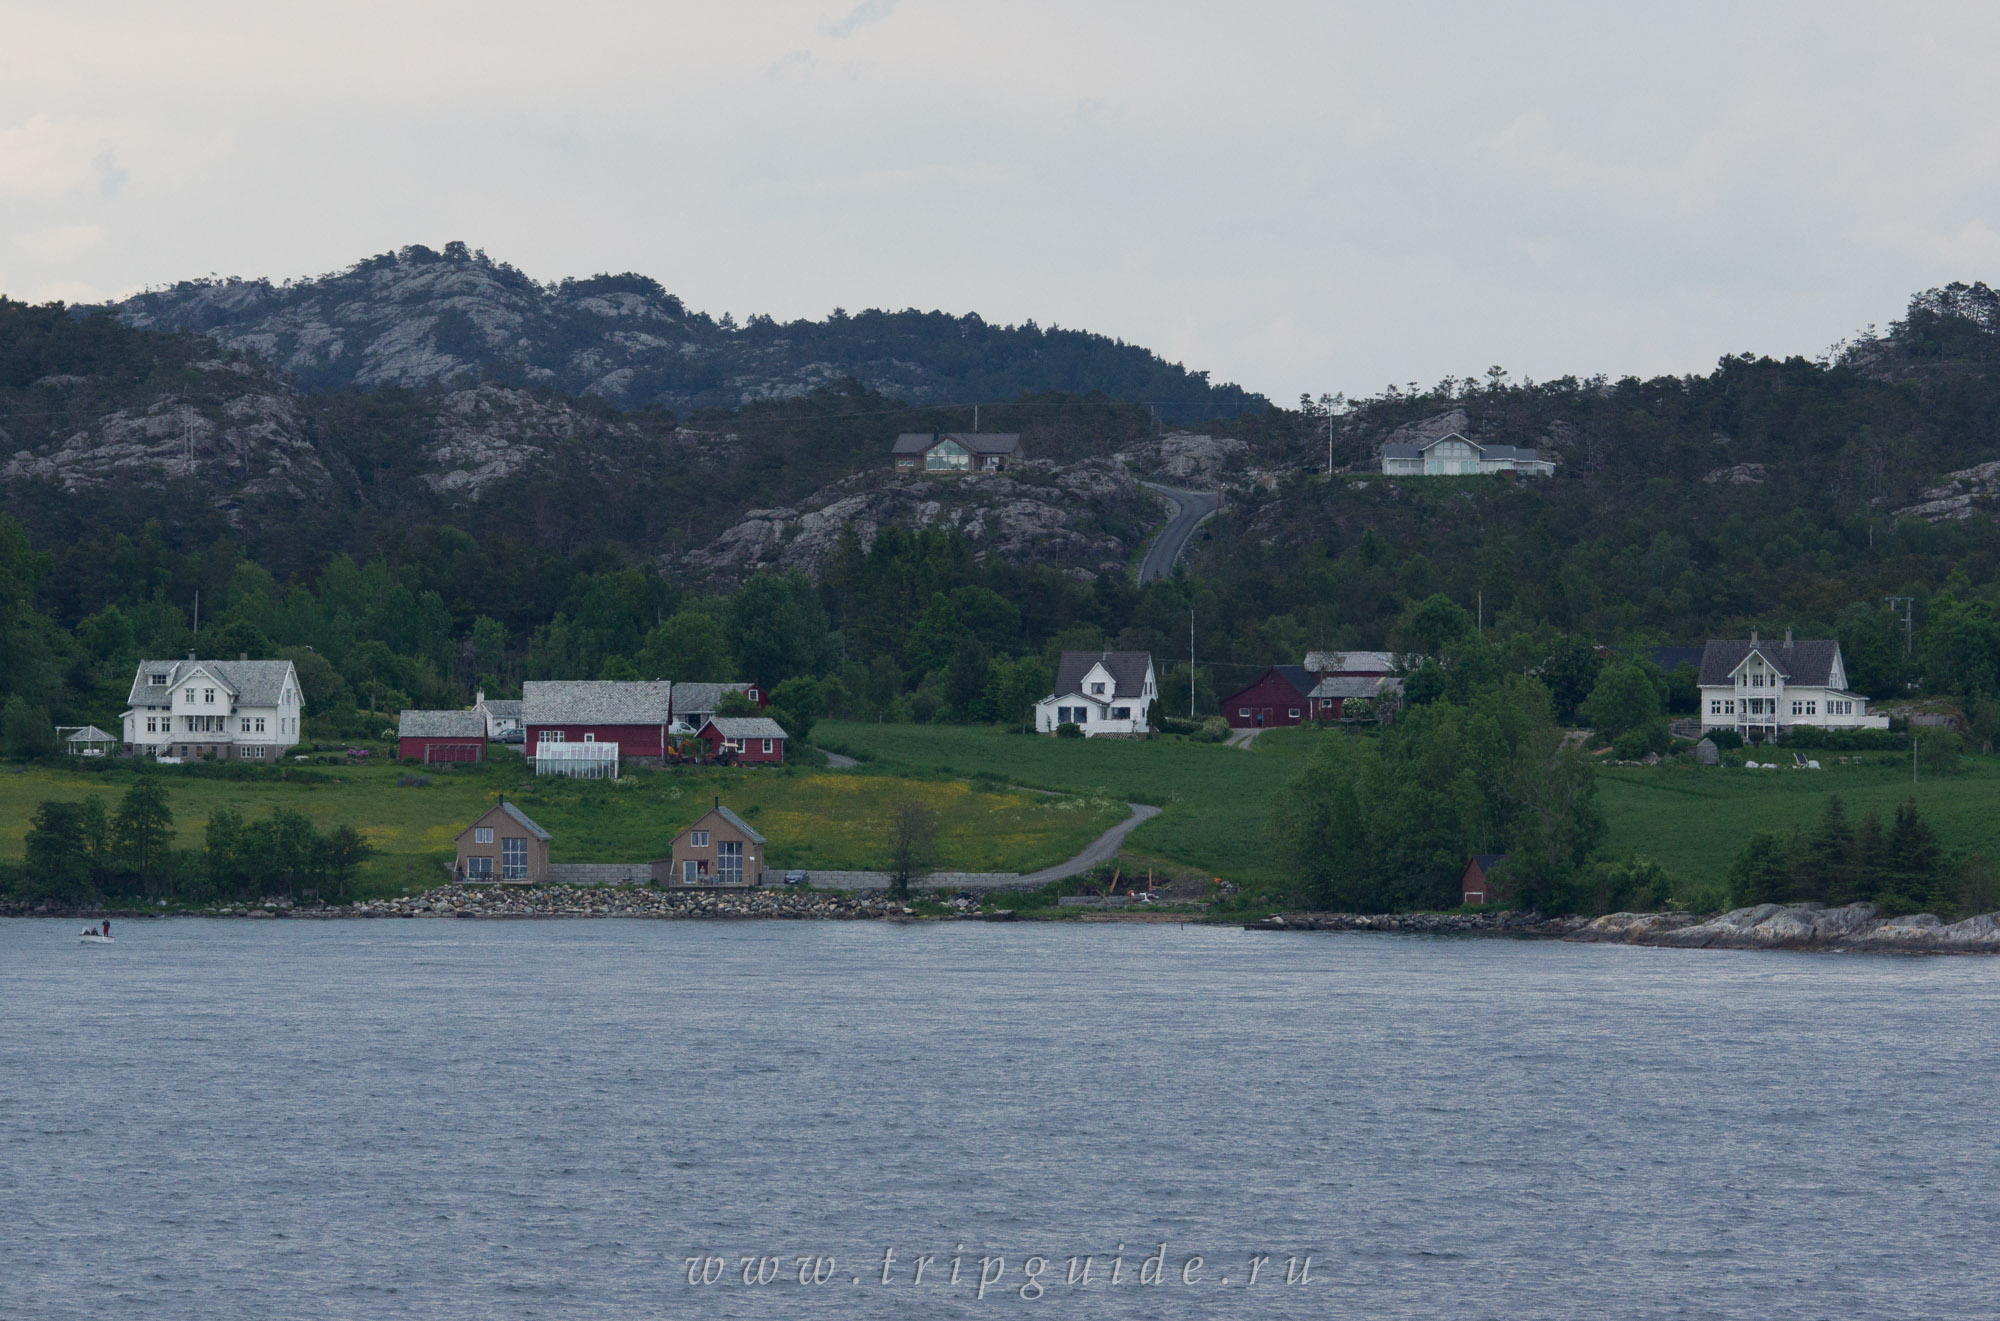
x,y
97,938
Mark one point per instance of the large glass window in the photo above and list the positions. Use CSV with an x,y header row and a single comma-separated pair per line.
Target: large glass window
x,y
729,861
948,456
480,869
514,859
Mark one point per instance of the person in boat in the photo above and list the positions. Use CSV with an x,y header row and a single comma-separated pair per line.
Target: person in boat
x,y
107,928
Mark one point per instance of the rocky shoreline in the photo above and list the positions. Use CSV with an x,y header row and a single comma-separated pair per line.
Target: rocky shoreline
x,y
1855,928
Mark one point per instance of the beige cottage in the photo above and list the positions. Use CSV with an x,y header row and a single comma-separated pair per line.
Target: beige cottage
x,y
503,845
719,849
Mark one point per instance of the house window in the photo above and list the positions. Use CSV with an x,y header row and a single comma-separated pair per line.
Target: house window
x,y
190,695
1729,707
767,745
590,738
1243,712
697,839
729,861
482,834
246,726
260,724
1798,708
1121,713
1292,712
750,693
514,859
949,456
1083,715
479,869
1812,708
552,735
1715,707
159,680
1097,690
208,696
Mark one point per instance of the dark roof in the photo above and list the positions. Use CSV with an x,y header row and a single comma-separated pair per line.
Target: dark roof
x,y
1514,452
1402,451
1672,658
1486,860
1809,661
1298,676
1128,671
979,442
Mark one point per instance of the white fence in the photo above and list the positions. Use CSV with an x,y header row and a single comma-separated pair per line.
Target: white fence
x,y
583,761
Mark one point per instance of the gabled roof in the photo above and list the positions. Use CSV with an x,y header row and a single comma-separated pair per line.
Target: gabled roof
x,y
978,442
1486,860
1401,451
441,724
254,683
745,726
1808,662
700,699
518,816
503,709
1356,685
734,820
596,702
1351,662
1127,669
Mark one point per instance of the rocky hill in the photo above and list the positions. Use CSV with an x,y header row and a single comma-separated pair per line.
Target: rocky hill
x,y
420,318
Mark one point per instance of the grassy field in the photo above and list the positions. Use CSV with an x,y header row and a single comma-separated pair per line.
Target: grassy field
x,y
1693,820
813,818
1216,799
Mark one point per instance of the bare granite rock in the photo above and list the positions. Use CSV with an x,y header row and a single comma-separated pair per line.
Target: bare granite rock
x,y
1854,927
1960,495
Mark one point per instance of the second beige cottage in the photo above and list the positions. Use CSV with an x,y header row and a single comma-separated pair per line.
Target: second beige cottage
x,y
719,849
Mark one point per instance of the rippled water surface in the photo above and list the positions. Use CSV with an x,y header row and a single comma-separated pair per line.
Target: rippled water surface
x,y
479,1119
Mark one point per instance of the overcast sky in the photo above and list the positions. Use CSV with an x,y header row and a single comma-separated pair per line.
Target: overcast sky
x,y
1294,196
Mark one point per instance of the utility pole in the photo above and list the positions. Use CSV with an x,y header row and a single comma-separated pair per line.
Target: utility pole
x,y
187,439
197,617
975,419
1908,603
1482,610
1190,662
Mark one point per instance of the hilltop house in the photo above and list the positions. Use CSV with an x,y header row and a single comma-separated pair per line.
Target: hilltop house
x,y
633,716
1100,692
503,845
1760,689
1452,455
751,738
242,709
501,717
957,451
719,849
694,703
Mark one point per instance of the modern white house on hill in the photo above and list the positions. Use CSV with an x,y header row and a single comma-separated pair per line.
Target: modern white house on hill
x,y
242,709
1100,692
1762,688
1452,455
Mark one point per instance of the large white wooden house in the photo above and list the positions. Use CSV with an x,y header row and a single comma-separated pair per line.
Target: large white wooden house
x,y
1100,692
242,709
1762,688
1453,455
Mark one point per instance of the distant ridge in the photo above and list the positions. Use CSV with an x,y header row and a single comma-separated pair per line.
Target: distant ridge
x,y
421,318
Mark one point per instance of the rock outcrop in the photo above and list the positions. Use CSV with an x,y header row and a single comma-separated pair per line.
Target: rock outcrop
x,y
1854,927
1960,495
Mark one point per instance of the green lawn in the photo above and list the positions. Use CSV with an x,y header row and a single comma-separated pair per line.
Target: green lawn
x,y
1217,799
813,818
1693,820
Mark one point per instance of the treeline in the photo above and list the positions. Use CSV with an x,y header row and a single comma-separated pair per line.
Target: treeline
x,y
79,854
1899,868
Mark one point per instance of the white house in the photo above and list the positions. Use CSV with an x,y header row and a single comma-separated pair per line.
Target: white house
x,y
1452,455
501,716
243,709
1763,688
1101,692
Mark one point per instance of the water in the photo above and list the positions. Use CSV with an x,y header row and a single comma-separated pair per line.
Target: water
x,y
477,1119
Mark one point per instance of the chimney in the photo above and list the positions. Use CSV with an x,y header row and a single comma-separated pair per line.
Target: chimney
x,y
242,655
1788,637
718,802
1753,637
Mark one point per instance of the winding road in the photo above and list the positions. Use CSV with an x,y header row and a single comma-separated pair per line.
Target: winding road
x,y
1190,508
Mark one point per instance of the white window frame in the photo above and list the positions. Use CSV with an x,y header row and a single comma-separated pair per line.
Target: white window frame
x,y
697,839
482,834
767,745
514,847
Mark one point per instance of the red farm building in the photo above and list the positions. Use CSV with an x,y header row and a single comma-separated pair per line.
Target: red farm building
x,y
633,715
432,737
751,738
1282,695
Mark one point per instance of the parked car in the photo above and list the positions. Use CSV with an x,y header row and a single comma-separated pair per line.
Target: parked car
x,y
798,878
511,736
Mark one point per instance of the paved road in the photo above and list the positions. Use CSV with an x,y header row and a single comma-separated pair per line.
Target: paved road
x,y
1100,850
1190,508
836,761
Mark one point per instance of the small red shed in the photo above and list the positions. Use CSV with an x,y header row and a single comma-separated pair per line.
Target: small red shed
x,y
432,737
1478,884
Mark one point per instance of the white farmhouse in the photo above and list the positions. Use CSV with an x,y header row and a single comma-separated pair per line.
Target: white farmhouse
x,y
1452,455
1763,688
241,709
1100,692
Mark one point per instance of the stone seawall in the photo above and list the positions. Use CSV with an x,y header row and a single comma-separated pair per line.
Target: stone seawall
x,y
1854,928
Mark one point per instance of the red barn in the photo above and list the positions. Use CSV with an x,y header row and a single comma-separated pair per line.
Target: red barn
x,y
634,715
751,738
441,736
1282,696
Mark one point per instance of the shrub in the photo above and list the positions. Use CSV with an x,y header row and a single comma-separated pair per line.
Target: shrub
x,y
1938,752
1213,730
1724,738
413,781
1841,740
1178,724
1636,743
1069,729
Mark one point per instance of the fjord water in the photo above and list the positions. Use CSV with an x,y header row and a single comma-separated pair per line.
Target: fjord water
x,y
239,1119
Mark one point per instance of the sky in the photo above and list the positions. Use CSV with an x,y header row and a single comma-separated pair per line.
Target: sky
x,y
1298,197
